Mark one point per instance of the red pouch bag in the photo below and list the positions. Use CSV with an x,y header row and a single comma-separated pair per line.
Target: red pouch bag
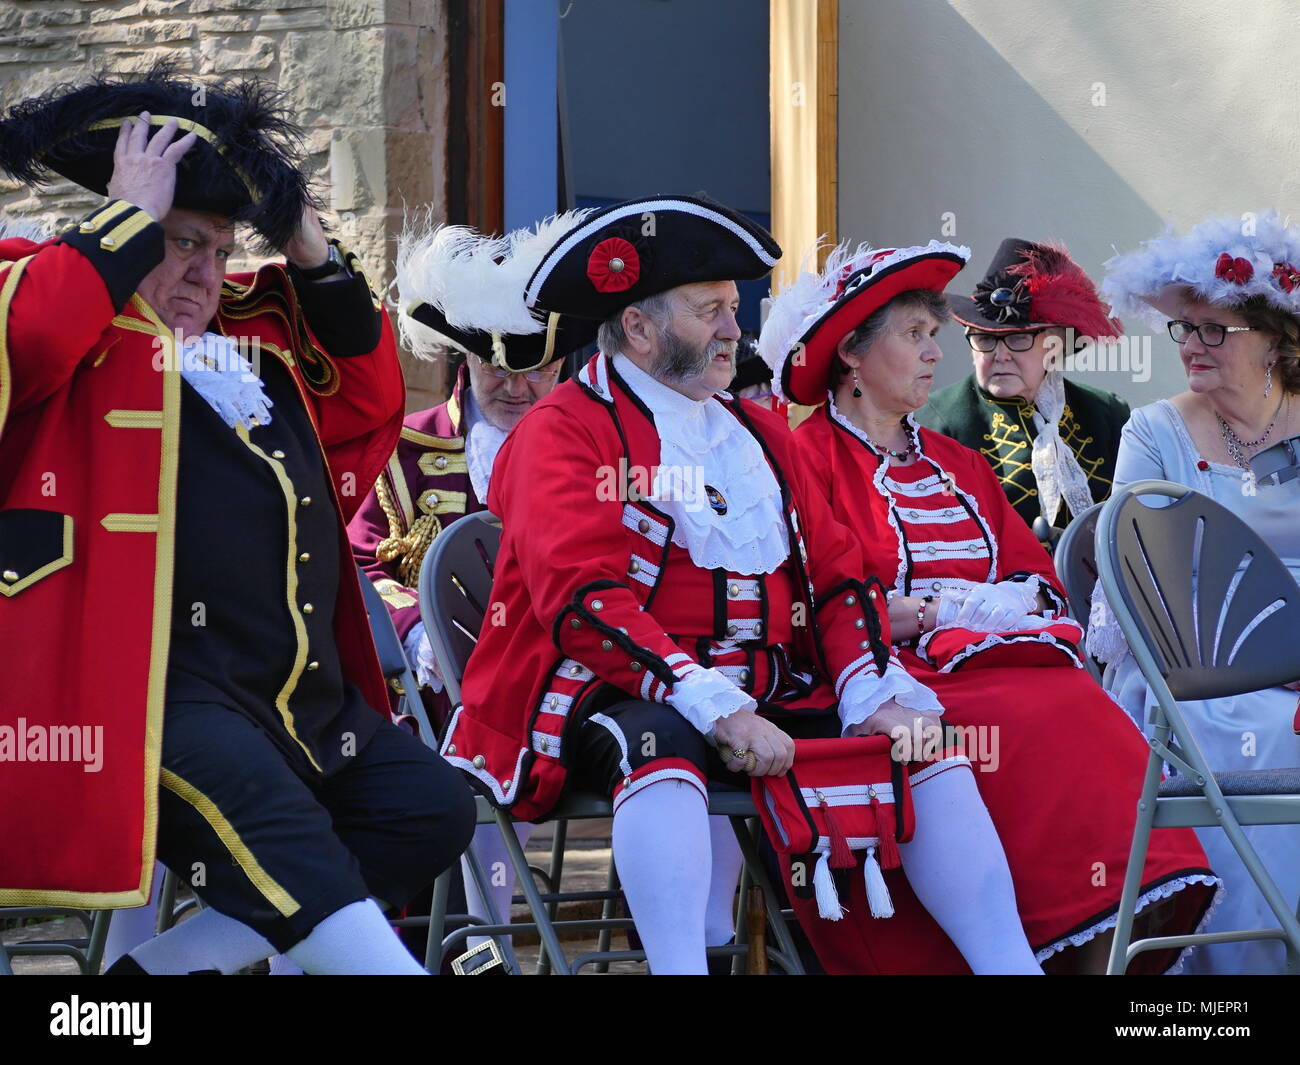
x,y
841,797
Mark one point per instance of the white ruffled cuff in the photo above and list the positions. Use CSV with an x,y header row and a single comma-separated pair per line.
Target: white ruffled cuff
x,y
1105,642
865,693
424,665
705,695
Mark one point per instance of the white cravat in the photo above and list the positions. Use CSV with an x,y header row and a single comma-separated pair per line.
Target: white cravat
x,y
482,442
702,445
214,367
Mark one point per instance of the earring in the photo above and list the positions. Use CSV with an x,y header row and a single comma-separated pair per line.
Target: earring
x,y
1268,379
857,392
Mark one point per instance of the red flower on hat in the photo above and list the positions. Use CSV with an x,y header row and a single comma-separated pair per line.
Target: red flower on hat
x,y
1238,271
1287,276
613,265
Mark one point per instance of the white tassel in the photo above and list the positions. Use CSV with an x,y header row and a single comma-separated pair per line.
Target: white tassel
x,y
877,891
828,899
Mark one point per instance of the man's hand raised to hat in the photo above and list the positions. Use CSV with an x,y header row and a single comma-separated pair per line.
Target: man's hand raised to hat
x,y
144,167
767,750
309,247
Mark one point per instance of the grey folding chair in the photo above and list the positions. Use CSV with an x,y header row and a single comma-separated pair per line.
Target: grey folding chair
x,y
1209,611
392,660
1075,559
455,589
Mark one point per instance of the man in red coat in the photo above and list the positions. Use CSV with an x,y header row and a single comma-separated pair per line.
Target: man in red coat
x,y
179,451
672,602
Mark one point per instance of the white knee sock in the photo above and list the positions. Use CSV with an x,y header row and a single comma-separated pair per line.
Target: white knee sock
x,y
720,918
281,965
208,940
354,941
958,869
127,929
662,850
490,849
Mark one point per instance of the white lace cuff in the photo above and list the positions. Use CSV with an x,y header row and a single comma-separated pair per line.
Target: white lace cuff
x,y
1106,642
864,694
704,695
426,669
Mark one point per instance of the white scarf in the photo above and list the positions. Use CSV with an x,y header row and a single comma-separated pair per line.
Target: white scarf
x,y
703,446
1055,468
213,366
482,442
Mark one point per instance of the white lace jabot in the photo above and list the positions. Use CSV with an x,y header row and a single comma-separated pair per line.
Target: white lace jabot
x,y
214,367
482,442
703,446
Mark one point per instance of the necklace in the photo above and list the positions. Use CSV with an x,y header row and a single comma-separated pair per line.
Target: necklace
x,y
903,455
1237,447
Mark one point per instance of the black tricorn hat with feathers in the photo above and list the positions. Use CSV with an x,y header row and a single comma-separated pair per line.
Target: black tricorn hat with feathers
x,y
244,166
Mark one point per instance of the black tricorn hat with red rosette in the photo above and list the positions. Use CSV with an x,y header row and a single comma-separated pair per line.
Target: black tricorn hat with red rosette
x,y
810,317
631,251
1033,286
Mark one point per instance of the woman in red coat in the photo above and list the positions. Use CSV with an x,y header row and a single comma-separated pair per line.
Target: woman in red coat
x,y
977,614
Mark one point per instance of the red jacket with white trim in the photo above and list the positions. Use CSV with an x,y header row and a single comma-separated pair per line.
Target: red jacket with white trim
x,y
590,592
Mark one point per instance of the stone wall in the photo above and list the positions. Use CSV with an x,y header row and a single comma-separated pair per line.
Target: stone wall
x,y
365,78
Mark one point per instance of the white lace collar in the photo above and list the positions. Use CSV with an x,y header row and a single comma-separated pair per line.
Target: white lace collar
x,y
713,480
482,442
843,419
216,369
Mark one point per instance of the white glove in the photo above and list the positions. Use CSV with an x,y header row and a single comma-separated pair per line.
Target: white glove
x,y
420,652
990,607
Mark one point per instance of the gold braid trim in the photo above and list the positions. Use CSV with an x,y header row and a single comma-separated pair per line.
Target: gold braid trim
x,y
407,549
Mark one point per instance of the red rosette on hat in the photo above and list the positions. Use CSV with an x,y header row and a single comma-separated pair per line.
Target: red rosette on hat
x,y
614,265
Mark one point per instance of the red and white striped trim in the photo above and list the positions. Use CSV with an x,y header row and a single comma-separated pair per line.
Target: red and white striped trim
x,y
465,763
545,743
611,726
861,664
646,571
661,769
848,794
746,629
934,550
657,534
572,669
923,516
997,640
955,761
556,703
748,590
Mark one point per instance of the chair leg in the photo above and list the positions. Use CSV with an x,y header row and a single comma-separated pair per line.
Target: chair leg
x,y
788,954
607,914
437,923
545,929
167,902
559,837
98,939
1137,857
741,923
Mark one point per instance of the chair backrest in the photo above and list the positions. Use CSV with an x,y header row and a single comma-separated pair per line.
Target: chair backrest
x,y
1211,602
455,589
392,657
1075,560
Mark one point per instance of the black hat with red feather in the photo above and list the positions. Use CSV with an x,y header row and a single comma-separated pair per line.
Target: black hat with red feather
x,y
1033,286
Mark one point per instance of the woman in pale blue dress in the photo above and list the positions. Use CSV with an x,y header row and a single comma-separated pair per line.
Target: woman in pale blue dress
x,y
1231,299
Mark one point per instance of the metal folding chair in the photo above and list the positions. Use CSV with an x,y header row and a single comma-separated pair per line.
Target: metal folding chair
x,y
1209,611
455,589
1075,559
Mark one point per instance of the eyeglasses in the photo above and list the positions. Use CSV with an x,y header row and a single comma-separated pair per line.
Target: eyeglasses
x,y
986,342
1211,334
535,376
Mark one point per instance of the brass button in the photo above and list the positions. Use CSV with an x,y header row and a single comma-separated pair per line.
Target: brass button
x,y
107,243
479,761
758,628
307,608
863,645
622,630
305,557
643,526
305,501
574,670
849,600
313,665
860,624
635,667
931,550
616,265
734,591
441,462
634,566
597,605
10,575
937,586
554,701
505,785
575,623
433,499
744,676
277,454
732,630
871,594
605,645
627,782
451,748
87,227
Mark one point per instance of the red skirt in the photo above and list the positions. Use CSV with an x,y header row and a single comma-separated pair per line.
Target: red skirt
x,y
1060,767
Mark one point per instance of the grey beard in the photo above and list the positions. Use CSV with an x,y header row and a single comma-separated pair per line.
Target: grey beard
x,y
678,361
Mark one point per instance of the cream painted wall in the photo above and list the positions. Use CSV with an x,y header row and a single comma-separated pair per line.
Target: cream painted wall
x,y
1087,121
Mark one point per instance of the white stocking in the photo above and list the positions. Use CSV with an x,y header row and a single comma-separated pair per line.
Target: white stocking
x,y
662,851
720,919
354,941
490,849
127,929
208,940
958,869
